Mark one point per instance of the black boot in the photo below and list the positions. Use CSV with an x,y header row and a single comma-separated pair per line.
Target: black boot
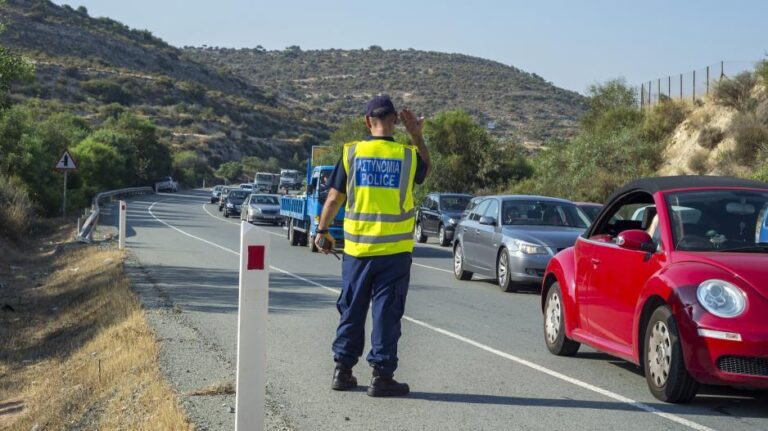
x,y
382,386
343,380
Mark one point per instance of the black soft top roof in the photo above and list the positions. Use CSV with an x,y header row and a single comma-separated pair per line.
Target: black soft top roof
x,y
658,184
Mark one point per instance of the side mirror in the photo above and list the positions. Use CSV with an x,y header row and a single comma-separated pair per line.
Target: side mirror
x,y
636,239
490,221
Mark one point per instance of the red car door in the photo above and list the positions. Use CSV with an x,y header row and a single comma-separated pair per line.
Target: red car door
x,y
617,280
584,253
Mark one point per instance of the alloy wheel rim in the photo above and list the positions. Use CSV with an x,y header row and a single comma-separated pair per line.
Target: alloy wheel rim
x,y
659,355
502,268
552,318
418,231
441,234
457,261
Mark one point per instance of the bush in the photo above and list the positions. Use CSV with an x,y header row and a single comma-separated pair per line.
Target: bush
x,y
762,71
663,120
16,208
751,138
710,137
761,112
698,162
107,91
736,92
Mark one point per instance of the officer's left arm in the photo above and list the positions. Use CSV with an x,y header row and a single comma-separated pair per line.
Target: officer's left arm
x,y
333,203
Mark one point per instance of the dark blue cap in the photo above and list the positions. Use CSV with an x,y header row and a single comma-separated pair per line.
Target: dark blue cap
x,y
380,106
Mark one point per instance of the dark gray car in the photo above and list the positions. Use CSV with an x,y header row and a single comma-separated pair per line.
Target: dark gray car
x,y
438,215
513,237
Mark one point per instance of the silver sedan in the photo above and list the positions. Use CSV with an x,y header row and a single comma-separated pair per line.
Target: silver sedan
x,y
512,238
260,207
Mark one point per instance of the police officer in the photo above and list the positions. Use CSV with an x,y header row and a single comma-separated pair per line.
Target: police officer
x,y
376,178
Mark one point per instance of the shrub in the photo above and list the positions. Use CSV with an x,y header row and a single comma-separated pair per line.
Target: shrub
x,y
16,209
107,91
751,138
663,120
698,162
761,112
736,92
762,71
710,137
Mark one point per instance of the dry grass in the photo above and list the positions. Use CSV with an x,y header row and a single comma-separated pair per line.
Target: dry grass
x,y
79,353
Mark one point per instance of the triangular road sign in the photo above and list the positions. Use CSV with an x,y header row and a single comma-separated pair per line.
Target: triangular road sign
x,y
66,162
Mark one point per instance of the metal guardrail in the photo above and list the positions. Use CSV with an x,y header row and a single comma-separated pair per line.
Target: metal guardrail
x,y
86,230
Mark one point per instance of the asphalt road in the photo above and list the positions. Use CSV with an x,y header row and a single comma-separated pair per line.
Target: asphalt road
x,y
474,356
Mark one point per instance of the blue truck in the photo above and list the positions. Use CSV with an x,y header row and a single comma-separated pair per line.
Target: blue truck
x,y
302,212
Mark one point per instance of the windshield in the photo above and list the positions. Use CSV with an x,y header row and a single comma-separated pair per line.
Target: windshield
x,y
542,213
263,178
591,211
264,200
237,196
289,175
454,203
719,220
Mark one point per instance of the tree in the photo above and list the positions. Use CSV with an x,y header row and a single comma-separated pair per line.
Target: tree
x,y
146,157
230,171
189,167
12,69
612,107
101,166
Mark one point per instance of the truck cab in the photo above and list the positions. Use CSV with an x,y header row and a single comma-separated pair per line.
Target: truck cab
x,y
264,182
303,212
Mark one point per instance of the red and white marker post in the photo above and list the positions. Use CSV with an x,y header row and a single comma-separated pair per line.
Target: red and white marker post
x,y
252,329
121,226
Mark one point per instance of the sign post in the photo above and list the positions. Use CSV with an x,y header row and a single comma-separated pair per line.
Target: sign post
x,y
66,163
121,227
252,329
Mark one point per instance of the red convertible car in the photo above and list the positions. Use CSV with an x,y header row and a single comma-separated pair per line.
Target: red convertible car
x,y
672,276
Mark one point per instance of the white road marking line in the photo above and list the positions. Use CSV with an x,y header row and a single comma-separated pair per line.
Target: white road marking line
x,y
238,224
432,267
552,373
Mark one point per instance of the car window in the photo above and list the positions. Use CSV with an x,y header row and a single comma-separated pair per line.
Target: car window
x,y
492,210
433,204
454,203
425,202
719,220
542,213
479,210
265,200
634,211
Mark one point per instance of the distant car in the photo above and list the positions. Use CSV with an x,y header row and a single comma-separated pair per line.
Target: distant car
x,y
681,291
166,184
216,194
247,186
438,214
590,209
263,208
235,200
223,197
512,238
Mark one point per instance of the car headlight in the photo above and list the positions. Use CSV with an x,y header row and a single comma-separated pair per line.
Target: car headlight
x,y
229,205
721,298
453,221
256,210
528,248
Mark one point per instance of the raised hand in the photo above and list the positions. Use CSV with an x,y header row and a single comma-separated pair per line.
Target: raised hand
x,y
413,124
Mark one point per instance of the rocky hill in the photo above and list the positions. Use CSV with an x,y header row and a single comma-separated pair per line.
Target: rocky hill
x,y
335,84
726,133
97,66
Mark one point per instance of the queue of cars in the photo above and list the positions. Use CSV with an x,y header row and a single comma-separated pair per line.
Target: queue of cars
x,y
669,275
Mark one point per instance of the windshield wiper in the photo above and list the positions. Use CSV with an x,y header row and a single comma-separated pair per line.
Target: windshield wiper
x,y
755,248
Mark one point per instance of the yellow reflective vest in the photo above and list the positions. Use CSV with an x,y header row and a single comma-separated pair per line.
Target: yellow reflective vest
x,y
379,216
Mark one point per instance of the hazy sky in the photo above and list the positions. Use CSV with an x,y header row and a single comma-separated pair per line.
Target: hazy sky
x,y
572,43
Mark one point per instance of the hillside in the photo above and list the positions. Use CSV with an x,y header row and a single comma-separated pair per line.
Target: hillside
x,y
724,134
335,84
95,67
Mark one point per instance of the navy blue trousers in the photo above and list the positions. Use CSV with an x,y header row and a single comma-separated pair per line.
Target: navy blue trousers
x,y
382,283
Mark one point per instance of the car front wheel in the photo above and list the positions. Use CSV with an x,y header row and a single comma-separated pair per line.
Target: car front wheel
x,y
418,234
665,371
441,236
503,275
554,324
458,264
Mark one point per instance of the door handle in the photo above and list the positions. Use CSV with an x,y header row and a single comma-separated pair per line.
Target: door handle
x,y
595,262
477,231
